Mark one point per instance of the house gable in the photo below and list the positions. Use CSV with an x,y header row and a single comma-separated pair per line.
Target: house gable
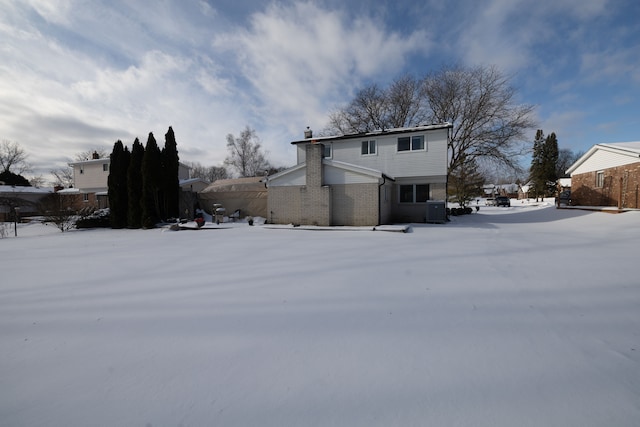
x,y
604,156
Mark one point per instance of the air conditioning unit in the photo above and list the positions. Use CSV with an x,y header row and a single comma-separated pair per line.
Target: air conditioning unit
x,y
436,211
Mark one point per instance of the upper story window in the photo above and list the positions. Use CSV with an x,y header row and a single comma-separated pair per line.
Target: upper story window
x,y
411,143
81,170
105,167
326,151
600,179
368,148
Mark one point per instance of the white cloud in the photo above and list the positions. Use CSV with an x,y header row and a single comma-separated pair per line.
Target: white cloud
x,y
302,58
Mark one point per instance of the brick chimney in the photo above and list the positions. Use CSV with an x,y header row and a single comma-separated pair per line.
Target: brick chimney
x,y
95,155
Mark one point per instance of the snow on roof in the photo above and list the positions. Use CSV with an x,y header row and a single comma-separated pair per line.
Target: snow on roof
x,y
24,189
69,191
375,133
631,149
564,182
633,146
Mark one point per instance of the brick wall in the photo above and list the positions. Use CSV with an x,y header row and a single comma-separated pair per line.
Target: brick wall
x,y
355,204
621,188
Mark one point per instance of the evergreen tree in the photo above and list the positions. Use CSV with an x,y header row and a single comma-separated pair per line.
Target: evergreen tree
x,y
134,185
543,172
10,178
550,164
466,182
117,184
151,183
170,171
536,172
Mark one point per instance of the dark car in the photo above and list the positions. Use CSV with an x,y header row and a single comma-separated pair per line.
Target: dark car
x,y
503,201
564,199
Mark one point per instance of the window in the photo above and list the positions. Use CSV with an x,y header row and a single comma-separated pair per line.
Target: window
x,y
85,197
413,143
105,167
600,179
81,171
368,148
326,151
414,193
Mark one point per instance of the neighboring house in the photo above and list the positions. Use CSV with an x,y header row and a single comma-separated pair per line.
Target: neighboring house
x,y
246,195
91,180
523,191
607,175
26,199
189,189
362,179
563,184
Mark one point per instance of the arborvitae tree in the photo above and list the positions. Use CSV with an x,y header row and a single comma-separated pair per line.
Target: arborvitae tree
x,y
134,185
117,182
151,183
170,181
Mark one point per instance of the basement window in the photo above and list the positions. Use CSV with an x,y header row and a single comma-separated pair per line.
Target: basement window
x,y
414,193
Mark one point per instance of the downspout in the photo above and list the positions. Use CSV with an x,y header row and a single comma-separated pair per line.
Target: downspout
x,y
384,181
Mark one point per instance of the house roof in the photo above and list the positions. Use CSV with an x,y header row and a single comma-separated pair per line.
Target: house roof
x,y
337,164
630,149
253,183
91,161
19,189
445,125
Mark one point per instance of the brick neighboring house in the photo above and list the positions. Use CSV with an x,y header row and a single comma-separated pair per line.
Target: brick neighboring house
x,y
362,179
607,175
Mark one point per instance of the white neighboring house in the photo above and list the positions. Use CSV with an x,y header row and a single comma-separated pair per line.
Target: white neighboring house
x,y
370,178
91,180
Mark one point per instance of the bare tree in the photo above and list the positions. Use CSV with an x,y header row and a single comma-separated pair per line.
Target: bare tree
x,y
488,124
245,154
566,158
63,176
208,173
373,108
13,158
59,210
99,153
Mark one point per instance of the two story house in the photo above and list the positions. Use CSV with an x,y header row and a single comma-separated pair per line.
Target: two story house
x,y
91,183
362,179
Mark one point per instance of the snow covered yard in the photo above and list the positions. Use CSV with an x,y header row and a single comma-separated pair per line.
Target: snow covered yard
x,y
521,316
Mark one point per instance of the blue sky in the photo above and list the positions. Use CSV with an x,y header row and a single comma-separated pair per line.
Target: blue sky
x,y
77,75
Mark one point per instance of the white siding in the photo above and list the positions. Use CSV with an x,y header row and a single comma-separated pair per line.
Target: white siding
x,y
93,175
337,176
297,177
603,159
429,162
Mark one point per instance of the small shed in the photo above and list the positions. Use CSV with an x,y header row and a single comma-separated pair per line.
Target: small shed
x,y
248,195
